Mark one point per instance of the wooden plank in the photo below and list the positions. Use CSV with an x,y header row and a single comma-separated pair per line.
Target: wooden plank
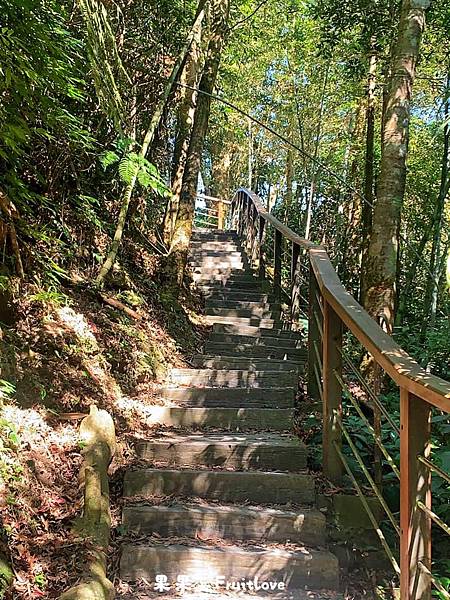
x,y
261,265
213,199
401,367
284,230
313,338
332,393
278,238
295,287
304,526
415,485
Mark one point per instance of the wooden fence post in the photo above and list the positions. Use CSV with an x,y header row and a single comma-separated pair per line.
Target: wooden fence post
x,y
295,291
415,485
332,392
254,236
248,217
314,340
240,215
261,265
277,265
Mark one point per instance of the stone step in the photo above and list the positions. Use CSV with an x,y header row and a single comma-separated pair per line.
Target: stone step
x,y
241,304
210,274
232,419
246,313
256,332
242,362
235,285
295,570
214,235
270,451
215,261
254,321
219,276
261,487
256,351
230,397
207,264
239,296
303,526
265,340
217,246
219,252
234,378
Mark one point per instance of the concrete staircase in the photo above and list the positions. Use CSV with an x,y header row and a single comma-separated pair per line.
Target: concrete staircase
x,y
227,487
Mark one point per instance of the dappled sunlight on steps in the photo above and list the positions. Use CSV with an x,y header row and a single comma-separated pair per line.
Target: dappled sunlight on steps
x,y
193,487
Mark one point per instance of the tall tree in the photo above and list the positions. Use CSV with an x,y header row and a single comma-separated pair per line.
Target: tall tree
x,y
368,200
146,143
185,120
379,279
219,10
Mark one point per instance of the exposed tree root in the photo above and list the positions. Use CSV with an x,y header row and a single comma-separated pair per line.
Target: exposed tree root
x,y
121,306
98,433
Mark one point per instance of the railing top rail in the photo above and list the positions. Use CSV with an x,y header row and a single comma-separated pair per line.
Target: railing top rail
x,y
213,199
397,363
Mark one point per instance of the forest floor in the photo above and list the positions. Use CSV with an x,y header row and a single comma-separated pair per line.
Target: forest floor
x,y
68,348
65,350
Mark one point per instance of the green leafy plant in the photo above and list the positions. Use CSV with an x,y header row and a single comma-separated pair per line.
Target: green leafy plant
x,y
132,165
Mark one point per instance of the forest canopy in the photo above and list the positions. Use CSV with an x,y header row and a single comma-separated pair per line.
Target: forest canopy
x,y
96,115
115,115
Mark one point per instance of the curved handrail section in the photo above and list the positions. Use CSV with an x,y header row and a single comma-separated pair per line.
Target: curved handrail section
x,y
396,362
330,308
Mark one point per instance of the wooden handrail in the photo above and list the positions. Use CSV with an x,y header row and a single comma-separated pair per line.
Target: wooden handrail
x,y
331,307
402,368
213,199
220,212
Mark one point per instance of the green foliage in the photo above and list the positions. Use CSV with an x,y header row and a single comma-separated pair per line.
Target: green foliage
x,y
37,78
50,296
132,165
106,64
10,470
7,389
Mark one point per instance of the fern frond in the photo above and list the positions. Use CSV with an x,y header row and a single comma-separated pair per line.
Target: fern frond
x,y
108,158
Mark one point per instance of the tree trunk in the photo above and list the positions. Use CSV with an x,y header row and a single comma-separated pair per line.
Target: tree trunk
x,y
367,202
184,220
148,139
220,173
10,212
289,183
185,120
379,279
